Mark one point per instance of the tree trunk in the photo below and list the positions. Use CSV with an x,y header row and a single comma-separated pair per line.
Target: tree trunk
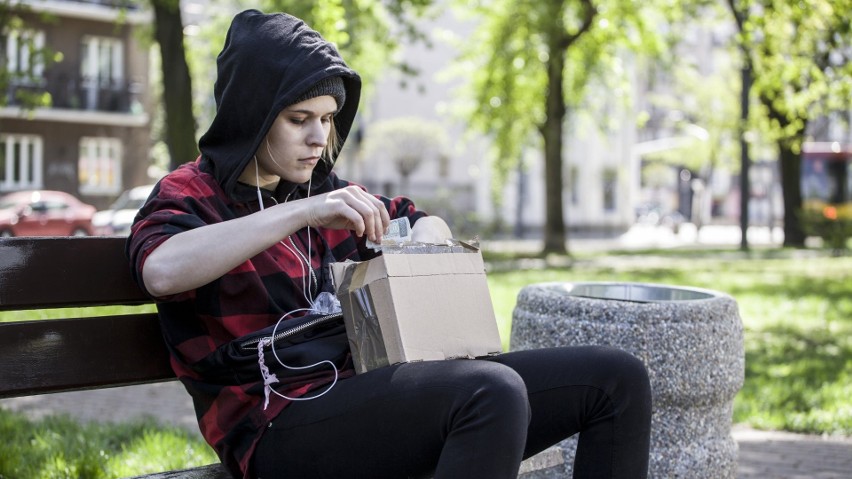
x,y
745,161
177,85
790,166
554,225
791,188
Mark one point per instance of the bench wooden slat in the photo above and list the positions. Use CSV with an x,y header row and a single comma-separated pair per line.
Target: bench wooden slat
x,y
38,273
213,471
38,357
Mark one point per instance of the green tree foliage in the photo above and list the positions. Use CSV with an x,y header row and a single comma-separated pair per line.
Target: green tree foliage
x,y
700,103
702,109
33,95
366,32
407,142
531,65
799,54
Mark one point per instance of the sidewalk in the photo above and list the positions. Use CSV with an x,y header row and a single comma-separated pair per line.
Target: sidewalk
x,y
763,454
641,236
782,455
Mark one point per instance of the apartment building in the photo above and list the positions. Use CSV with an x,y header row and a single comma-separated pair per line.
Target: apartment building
x,y
92,139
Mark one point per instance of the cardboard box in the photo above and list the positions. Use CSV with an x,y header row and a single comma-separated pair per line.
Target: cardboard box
x,y
416,307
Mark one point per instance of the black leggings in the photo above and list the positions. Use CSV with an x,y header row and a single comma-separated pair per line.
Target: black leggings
x,y
469,419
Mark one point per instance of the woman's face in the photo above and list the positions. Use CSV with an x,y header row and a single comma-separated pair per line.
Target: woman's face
x,y
294,144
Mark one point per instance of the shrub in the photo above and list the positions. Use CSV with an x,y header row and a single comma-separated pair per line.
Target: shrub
x,y
834,228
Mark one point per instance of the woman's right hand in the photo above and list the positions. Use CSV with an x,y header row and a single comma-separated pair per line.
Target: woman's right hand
x,y
348,208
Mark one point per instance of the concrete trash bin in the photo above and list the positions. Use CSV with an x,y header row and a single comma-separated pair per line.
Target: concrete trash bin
x,y
691,341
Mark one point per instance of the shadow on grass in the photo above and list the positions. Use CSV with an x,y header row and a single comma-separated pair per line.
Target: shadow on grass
x,y
797,380
827,301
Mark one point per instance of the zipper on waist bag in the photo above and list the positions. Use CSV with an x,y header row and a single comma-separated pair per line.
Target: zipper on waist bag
x,y
286,333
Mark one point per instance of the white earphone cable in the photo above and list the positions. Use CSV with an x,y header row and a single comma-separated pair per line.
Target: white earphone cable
x,y
269,378
308,274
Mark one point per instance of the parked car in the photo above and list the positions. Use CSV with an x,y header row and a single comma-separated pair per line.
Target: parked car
x,y
654,214
116,220
44,213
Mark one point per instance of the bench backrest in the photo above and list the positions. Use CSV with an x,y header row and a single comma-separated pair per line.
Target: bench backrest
x,y
46,356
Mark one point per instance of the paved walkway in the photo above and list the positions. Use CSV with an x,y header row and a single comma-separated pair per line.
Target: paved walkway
x,y
641,236
763,455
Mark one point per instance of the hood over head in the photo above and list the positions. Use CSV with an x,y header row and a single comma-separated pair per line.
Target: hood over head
x,y
268,63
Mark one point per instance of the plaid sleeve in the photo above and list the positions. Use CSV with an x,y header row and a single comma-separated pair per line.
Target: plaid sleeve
x,y
175,206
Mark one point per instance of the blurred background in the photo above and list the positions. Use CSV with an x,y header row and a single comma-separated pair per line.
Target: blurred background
x,y
581,140
512,119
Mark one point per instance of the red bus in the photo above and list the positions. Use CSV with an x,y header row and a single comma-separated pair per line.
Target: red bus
x,y
826,179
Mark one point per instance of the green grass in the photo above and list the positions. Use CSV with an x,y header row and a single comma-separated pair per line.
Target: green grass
x,y
37,314
60,448
796,309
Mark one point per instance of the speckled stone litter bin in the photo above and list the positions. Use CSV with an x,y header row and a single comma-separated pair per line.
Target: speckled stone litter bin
x,y
691,341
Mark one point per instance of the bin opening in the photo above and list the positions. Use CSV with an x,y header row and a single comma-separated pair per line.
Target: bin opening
x,y
635,292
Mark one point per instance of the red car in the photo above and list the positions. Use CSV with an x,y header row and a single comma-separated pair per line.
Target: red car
x,y
44,213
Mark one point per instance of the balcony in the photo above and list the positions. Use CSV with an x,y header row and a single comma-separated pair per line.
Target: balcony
x,y
124,4
78,93
133,12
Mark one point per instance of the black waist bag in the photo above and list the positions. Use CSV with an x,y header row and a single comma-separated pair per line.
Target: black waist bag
x,y
298,342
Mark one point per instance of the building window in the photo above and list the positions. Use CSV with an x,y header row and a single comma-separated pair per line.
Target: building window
x,y
101,71
610,189
99,167
102,61
23,52
20,162
574,181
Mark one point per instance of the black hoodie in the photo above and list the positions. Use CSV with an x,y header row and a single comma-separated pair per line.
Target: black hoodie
x,y
267,62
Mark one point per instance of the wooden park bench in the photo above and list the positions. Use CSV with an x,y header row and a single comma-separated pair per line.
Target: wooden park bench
x,y
50,356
